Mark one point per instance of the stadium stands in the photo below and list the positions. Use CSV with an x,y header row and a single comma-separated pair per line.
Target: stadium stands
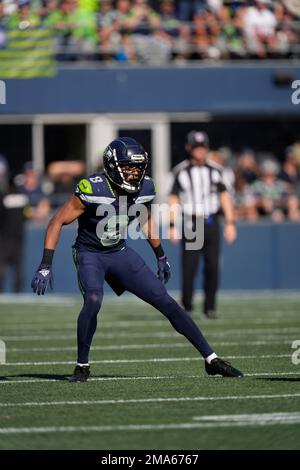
x,y
142,31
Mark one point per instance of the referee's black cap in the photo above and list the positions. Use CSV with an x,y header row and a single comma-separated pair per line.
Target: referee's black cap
x,y
197,139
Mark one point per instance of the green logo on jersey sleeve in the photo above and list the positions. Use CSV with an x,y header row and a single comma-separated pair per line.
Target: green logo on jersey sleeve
x,y
85,187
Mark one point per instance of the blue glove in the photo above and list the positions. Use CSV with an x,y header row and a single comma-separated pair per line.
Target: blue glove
x,y
42,278
164,269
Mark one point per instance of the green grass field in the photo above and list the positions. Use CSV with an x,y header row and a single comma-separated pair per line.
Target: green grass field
x,y
148,388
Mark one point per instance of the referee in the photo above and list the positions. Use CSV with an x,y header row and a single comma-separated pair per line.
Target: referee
x,y
199,183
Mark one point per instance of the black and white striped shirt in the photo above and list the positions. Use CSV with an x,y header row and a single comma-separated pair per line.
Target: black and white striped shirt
x,y
198,187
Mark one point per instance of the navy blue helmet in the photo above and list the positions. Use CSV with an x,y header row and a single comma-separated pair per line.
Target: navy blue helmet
x,y
125,162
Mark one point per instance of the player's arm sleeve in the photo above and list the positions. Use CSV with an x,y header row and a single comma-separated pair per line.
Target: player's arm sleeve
x,y
84,191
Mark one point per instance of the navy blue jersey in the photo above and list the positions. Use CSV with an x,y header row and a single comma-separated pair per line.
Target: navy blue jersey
x,y
104,222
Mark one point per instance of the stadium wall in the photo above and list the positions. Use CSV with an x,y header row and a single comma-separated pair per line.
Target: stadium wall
x,y
265,256
219,89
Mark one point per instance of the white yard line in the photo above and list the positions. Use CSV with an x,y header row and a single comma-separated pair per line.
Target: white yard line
x,y
106,348
128,361
148,346
148,400
122,335
258,420
294,332
162,377
98,336
253,418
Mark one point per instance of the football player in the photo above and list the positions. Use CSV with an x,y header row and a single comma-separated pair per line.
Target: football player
x,y
101,254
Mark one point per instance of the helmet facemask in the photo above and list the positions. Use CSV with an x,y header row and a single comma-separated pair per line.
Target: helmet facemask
x,y
132,174
128,174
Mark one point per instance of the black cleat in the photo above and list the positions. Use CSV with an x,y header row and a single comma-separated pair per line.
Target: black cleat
x,y
220,367
80,374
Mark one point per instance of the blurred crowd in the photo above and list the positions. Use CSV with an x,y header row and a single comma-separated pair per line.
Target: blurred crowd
x,y
160,31
260,186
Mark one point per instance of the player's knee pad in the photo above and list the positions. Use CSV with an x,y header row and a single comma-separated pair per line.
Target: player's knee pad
x,y
93,300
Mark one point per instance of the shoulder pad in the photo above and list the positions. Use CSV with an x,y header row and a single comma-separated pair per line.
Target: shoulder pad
x,y
147,192
89,185
149,186
91,190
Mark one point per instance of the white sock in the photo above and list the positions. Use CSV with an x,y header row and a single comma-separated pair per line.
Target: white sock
x,y
83,365
211,357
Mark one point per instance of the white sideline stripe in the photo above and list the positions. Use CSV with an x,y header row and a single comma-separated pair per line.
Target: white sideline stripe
x,y
254,418
128,361
283,419
147,400
100,336
232,332
125,347
263,374
107,348
105,361
162,377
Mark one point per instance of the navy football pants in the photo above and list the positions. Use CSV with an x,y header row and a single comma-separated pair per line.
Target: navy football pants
x,y
130,272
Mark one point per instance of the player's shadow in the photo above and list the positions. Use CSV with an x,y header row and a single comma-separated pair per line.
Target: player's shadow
x,y
7,378
58,377
280,379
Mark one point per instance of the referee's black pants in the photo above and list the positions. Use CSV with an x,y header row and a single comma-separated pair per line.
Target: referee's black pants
x,y
190,263
11,257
